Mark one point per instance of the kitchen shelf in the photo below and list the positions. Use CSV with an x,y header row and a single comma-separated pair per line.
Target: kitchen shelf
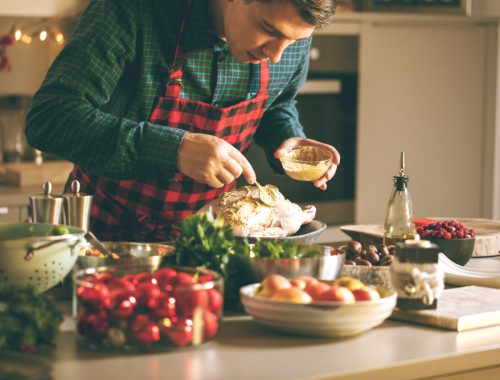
x,y
36,8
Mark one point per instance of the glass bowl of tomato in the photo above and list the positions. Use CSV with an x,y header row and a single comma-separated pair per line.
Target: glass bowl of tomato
x,y
142,308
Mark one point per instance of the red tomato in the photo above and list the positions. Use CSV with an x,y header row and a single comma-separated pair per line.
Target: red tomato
x,y
214,300
188,299
166,277
179,332
211,325
147,294
165,307
184,279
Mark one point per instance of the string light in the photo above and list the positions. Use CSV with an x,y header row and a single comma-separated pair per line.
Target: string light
x,y
60,38
46,30
43,35
26,38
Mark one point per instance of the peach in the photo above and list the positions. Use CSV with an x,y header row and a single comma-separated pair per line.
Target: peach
x,y
349,282
271,283
316,289
365,294
292,294
337,294
302,282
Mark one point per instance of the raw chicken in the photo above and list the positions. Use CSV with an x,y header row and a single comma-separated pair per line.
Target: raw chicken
x,y
260,211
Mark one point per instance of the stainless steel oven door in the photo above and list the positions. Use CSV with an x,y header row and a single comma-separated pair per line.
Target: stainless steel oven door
x,y
321,86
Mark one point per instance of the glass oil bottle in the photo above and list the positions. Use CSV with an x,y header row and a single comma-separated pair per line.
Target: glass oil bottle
x,y
398,225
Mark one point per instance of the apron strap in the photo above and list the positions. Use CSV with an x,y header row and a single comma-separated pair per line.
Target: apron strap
x,y
174,83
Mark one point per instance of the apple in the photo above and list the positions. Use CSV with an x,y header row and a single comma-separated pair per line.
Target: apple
x,y
303,281
292,294
337,294
365,294
349,282
316,289
271,283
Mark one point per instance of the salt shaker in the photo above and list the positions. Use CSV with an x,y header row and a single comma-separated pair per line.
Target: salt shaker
x,y
46,207
77,207
416,275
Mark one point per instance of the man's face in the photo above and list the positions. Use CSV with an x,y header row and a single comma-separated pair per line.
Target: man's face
x,y
257,31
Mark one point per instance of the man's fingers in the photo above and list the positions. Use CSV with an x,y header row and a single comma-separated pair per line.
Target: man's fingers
x,y
328,176
225,176
233,167
248,171
215,183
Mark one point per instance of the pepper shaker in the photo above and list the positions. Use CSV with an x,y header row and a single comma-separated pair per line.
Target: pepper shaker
x,y
46,207
77,207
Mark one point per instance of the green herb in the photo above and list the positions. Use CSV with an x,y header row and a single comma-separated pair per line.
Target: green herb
x,y
208,243
27,319
283,249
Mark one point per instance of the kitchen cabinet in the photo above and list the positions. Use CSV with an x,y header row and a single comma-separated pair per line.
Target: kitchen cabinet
x,y
428,85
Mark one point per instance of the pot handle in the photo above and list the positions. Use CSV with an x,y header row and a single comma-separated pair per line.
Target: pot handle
x,y
30,249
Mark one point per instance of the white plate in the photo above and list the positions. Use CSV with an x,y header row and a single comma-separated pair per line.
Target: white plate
x,y
463,276
326,319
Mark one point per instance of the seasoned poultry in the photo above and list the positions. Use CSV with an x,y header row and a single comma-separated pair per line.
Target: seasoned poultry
x,y
260,211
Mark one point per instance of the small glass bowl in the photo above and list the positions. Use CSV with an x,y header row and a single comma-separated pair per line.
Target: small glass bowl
x,y
140,308
307,163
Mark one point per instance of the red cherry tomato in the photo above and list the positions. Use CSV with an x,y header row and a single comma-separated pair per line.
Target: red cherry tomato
x,y
179,332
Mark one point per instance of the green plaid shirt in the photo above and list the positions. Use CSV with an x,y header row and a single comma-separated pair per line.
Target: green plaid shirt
x,y
93,106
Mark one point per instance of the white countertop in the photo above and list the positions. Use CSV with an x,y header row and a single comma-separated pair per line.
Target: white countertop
x,y
245,350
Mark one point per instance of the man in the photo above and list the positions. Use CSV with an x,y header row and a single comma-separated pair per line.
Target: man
x,y
155,101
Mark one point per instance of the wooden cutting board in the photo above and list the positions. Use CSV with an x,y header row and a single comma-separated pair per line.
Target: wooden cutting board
x,y
31,174
459,309
487,234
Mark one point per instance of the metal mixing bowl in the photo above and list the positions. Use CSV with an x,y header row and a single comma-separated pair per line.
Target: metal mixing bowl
x,y
327,265
130,254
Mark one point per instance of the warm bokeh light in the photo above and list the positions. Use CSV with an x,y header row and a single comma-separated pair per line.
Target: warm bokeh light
x,y
18,34
26,39
43,35
60,38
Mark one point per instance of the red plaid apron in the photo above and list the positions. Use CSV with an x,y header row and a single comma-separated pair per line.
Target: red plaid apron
x,y
130,210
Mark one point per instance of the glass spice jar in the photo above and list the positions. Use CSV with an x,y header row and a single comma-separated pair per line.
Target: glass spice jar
x,y
416,275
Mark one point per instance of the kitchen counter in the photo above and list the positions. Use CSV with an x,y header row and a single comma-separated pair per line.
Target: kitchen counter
x,y
245,350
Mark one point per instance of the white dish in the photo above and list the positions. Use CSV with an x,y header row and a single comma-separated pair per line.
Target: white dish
x,y
326,319
463,276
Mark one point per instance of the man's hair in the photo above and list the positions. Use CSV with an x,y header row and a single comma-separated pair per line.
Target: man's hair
x,y
318,13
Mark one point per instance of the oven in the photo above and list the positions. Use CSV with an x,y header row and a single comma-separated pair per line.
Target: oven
x,y
327,105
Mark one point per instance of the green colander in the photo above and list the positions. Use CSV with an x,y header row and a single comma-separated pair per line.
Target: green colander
x,y
29,257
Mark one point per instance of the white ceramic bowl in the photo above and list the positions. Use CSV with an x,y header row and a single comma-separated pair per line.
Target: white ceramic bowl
x,y
326,319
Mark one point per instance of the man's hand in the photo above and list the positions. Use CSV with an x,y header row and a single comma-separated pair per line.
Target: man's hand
x,y
211,160
296,142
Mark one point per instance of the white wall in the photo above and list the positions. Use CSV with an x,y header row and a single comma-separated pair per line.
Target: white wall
x,y
486,7
29,62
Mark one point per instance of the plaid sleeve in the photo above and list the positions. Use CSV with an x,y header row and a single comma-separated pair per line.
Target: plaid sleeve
x,y
68,117
281,119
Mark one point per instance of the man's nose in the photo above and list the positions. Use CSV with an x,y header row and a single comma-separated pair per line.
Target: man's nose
x,y
275,49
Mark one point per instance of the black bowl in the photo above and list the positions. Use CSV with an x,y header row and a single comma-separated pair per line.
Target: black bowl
x,y
457,250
